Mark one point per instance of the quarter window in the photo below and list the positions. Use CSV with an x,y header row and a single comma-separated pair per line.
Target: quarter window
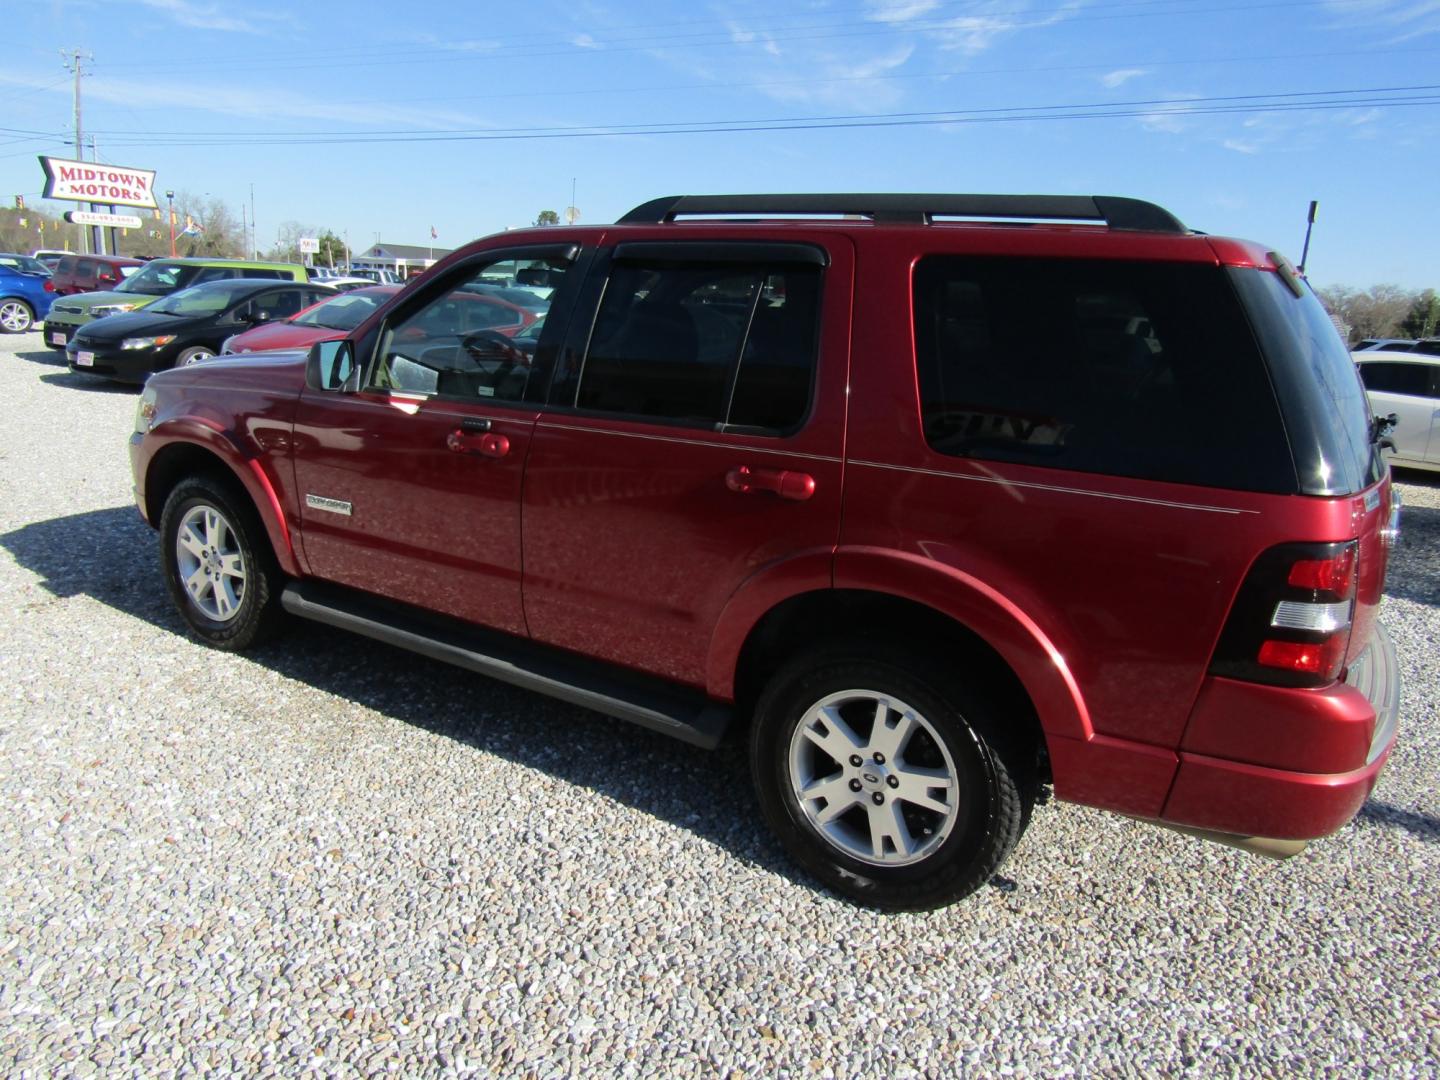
x,y
1144,370
725,345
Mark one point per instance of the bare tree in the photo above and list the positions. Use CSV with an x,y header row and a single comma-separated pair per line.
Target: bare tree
x,y
1376,312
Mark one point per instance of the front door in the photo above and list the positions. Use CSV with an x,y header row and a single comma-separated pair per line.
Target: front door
x,y
410,488
692,443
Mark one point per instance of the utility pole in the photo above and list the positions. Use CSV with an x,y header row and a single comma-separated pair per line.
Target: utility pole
x,y
74,61
254,236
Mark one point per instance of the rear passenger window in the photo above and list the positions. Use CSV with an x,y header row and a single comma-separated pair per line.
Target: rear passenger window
x,y
1413,379
1143,370
215,273
726,345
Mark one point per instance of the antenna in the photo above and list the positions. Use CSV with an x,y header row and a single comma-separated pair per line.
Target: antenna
x,y
1309,224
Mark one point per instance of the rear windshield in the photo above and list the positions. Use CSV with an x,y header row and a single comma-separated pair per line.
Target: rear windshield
x,y
341,312
1129,369
1326,411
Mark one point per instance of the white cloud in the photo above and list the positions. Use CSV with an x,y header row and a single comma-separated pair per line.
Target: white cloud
x,y
215,16
1401,19
251,104
1168,119
1121,77
1241,147
584,41
900,11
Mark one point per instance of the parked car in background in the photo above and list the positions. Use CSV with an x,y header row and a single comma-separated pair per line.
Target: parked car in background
x,y
1430,346
332,317
184,327
50,257
377,276
342,282
157,278
23,299
936,511
1408,385
91,273
24,264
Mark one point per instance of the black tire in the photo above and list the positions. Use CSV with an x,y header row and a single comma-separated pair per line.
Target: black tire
x,y
987,812
193,355
221,615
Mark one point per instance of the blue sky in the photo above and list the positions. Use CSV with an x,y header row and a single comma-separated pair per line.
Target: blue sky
x,y
389,117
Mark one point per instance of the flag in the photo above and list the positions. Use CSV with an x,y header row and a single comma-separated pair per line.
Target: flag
x,y
192,227
433,234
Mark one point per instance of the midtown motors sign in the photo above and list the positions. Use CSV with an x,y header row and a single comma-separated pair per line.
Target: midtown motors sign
x,y
87,181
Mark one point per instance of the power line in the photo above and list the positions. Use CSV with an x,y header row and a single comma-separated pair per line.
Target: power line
x,y
1300,101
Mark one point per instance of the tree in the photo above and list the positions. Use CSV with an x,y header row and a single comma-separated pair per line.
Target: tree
x,y
1375,313
547,217
1424,316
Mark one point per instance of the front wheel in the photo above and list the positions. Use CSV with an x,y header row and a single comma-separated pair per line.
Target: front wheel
x,y
194,356
16,316
218,565
878,776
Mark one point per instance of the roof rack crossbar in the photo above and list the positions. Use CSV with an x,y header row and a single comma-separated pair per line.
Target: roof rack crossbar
x,y
1118,213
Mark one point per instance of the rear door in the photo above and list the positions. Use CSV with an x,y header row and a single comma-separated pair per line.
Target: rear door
x,y
692,443
410,488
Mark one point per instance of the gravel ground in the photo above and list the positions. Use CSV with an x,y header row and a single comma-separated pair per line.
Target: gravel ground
x,y
330,855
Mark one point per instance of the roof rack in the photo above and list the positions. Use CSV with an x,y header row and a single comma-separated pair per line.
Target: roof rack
x,y
1118,213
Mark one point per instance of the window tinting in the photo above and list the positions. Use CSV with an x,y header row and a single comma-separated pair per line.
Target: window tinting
x,y
724,345
1398,378
1144,370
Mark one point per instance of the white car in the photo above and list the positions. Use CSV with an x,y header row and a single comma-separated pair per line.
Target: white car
x,y
1408,385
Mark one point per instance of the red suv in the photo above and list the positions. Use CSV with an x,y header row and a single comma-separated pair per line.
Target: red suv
x,y
940,498
90,273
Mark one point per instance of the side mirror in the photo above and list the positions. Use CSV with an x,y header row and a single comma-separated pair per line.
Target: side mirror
x,y
332,366
258,317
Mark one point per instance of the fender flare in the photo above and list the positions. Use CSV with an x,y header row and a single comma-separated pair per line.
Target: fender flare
x,y
1037,660
803,572
247,470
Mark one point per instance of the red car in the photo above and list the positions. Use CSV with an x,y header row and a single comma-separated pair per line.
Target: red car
x,y
335,316
937,507
90,273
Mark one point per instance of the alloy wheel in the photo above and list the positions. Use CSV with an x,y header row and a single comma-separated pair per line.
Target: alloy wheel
x,y
210,563
873,778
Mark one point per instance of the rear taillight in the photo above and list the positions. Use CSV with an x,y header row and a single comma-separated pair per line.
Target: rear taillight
x,y
49,285
1290,624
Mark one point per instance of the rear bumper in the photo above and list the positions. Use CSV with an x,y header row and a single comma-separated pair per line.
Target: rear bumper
x,y
1245,798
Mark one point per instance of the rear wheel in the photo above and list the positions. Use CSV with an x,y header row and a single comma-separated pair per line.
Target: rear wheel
x,y
218,565
879,777
16,316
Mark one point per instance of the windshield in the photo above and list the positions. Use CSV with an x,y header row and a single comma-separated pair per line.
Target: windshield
x,y
158,279
209,299
24,264
340,313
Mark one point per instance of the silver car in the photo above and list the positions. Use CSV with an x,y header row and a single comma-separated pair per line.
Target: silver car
x,y
1408,385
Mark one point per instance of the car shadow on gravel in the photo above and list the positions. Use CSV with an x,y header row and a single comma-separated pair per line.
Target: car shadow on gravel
x,y
75,381
111,556
53,358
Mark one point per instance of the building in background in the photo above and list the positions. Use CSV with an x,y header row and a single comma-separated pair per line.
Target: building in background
x,y
406,260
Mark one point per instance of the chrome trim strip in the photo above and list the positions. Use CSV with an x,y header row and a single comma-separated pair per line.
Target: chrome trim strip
x,y
1055,488
739,448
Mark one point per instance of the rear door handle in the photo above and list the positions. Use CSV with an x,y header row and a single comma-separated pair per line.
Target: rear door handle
x,y
746,480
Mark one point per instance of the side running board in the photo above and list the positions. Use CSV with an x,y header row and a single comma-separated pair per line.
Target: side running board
x,y
673,710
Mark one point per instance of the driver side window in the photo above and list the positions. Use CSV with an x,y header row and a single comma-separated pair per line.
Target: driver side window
x,y
467,342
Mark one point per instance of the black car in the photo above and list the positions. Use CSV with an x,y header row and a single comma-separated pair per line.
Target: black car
x,y
185,326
